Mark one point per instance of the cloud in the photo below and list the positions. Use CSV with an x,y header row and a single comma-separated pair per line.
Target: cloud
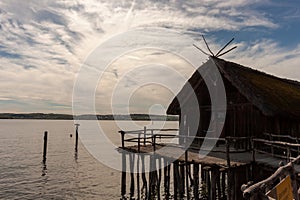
x,y
267,55
43,43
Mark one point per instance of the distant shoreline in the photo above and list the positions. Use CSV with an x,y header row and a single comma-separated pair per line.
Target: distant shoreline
x,y
53,116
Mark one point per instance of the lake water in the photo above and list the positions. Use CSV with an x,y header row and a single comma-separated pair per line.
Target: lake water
x,y
65,175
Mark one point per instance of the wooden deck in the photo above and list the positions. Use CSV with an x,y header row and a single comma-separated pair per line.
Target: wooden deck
x,y
216,157
232,162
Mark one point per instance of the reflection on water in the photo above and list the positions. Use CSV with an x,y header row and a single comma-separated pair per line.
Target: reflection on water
x,y
44,168
64,174
76,155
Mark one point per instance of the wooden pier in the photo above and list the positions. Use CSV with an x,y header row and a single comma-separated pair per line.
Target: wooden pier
x,y
178,172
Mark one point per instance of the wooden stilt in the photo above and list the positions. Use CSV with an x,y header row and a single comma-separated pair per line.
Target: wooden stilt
x,y
187,175
76,137
175,178
123,181
167,179
196,181
214,175
219,193
145,187
223,184
181,180
159,178
229,184
207,181
138,177
45,146
152,177
203,183
132,160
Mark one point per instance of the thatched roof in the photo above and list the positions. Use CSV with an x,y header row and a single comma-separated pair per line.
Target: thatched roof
x,y
272,95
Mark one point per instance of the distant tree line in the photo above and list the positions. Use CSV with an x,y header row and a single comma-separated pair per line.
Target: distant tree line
x,y
52,116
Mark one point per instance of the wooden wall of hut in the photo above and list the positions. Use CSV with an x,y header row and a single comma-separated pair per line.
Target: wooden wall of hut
x,y
243,119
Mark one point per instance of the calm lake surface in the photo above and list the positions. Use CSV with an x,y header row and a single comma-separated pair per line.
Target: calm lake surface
x,y
65,175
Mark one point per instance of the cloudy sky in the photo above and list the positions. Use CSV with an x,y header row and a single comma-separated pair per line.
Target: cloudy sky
x,y
45,44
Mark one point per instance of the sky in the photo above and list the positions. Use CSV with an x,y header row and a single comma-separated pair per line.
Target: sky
x,y
46,45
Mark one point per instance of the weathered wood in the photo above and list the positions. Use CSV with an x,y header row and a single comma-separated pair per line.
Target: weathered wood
x,y
175,178
262,185
182,176
166,179
181,180
138,176
229,184
122,138
159,178
45,146
207,181
145,134
153,178
219,186
223,184
150,178
196,181
240,177
186,175
227,153
139,143
169,180
131,164
76,136
123,179
253,150
276,142
144,179
214,175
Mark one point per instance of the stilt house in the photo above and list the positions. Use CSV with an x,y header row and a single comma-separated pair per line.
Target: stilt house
x,y
256,102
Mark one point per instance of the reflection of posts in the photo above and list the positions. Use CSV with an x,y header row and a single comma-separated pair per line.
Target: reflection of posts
x,y
123,186
44,169
45,146
123,178
76,139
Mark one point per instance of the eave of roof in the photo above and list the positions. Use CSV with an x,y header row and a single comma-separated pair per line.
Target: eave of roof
x,y
272,95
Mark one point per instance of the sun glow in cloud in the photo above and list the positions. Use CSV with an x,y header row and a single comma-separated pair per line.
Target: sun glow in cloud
x,y
44,43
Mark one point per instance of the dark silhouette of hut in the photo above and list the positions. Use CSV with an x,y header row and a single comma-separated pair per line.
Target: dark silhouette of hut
x,y
257,102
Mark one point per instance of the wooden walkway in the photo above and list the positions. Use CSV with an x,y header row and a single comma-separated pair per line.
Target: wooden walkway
x,y
217,157
223,170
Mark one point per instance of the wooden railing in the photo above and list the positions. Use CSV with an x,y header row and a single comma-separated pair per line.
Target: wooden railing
x,y
283,138
278,149
275,148
258,191
150,137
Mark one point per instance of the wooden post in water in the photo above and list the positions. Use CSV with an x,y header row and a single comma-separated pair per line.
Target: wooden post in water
x,y
167,179
186,174
214,177
123,179
145,132
138,168
45,146
223,183
207,181
196,181
181,179
132,162
229,171
159,177
175,178
144,188
76,139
